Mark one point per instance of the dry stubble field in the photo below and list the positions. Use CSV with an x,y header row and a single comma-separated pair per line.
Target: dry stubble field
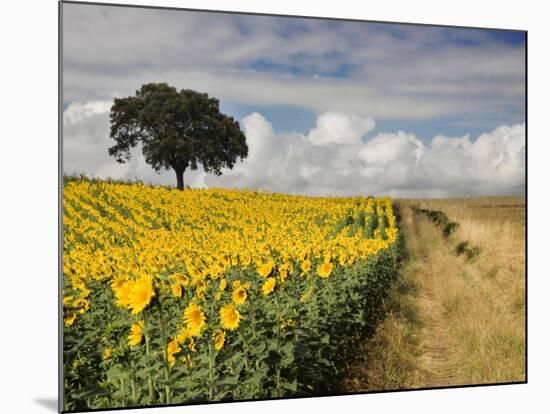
x,y
452,320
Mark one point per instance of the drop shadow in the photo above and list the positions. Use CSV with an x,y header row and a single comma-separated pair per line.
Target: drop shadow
x,y
49,403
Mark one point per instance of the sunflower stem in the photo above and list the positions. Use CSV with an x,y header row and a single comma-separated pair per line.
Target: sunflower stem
x,y
133,386
123,388
245,350
149,378
252,319
165,354
210,373
278,371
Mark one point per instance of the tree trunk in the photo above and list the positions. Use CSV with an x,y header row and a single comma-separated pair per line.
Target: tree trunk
x,y
179,177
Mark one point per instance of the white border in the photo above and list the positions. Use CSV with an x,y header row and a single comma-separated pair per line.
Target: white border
x,y
28,343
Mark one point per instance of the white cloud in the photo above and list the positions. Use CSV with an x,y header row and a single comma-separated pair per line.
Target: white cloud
x,y
331,159
339,128
494,163
76,112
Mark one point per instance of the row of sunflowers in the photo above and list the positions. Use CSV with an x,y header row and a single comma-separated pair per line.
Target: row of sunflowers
x,y
202,295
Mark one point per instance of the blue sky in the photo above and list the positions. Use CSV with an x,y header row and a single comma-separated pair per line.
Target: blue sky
x,y
459,123
301,81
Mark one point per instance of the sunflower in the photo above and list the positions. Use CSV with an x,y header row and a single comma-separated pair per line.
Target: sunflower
x,y
84,304
69,320
183,335
67,300
172,349
107,354
265,269
180,278
194,318
284,270
245,259
191,345
193,271
141,294
239,295
136,333
306,266
223,284
122,293
176,290
324,270
229,317
342,259
269,285
219,340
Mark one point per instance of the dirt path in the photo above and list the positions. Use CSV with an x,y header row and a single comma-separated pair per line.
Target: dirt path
x,y
412,347
449,321
430,261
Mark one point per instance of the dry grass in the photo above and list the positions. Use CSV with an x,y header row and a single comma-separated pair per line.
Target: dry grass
x,y
452,321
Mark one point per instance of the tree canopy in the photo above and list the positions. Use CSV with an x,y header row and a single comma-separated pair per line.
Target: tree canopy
x,y
176,130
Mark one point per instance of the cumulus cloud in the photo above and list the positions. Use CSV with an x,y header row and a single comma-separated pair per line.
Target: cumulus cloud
x,y
76,112
339,128
333,158
494,163
86,141
398,163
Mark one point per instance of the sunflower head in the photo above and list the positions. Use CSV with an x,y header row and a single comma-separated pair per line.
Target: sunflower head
x,y
239,295
342,259
122,293
230,317
67,300
194,319
183,335
324,270
107,353
140,295
223,284
306,266
176,290
219,339
265,269
172,349
269,285
69,320
136,333
180,278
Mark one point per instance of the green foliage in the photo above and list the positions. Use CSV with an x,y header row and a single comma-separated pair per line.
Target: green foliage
x,y
467,249
449,228
292,344
441,220
176,130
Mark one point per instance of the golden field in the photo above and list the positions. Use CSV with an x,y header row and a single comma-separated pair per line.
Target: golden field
x,y
202,295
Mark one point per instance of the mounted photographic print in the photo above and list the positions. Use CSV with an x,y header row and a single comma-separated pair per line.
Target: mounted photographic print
x,y
258,206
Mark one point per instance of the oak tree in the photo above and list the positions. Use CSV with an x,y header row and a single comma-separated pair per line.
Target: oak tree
x,y
176,130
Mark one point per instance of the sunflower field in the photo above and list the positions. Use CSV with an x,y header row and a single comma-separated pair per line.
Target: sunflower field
x,y
174,297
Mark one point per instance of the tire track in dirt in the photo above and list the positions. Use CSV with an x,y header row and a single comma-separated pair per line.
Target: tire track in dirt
x,y
412,348
432,263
